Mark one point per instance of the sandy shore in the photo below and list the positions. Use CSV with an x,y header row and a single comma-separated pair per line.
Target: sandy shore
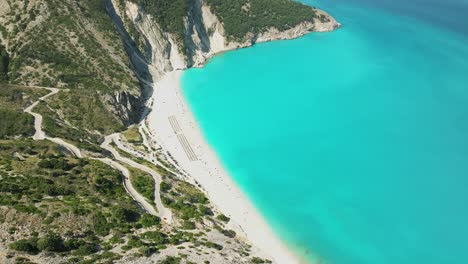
x,y
198,159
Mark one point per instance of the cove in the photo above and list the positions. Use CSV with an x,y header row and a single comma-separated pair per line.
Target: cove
x,y
352,144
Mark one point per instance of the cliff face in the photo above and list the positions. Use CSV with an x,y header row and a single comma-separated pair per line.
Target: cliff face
x,y
204,36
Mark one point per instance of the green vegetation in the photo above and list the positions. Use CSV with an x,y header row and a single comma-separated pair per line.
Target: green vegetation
x,y
15,123
239,17
13,99
74,45
223,218
25,245
54,243
143,183
169,14
4,62
186,200
82,200
148,220
257,260
243,16
171,260
133,135
83,110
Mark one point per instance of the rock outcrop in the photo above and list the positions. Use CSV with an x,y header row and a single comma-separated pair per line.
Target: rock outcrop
x,y
204,36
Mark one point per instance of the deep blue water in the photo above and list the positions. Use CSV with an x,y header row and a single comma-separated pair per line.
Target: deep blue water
x,y
352,144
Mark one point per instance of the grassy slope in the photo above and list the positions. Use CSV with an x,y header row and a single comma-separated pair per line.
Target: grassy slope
x,y
71,44
13,99
44,191
81,209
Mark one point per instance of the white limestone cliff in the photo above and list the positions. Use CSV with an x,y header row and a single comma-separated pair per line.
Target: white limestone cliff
x,y
204,36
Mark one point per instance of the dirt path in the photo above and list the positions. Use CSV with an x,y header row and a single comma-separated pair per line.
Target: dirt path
x,y
164,213
129,187
40,135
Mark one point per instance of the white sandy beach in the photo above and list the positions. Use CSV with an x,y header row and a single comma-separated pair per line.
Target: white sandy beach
x,y
169,103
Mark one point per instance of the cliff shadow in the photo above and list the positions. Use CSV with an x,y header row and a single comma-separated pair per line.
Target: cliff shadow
x,y
195,22
139,65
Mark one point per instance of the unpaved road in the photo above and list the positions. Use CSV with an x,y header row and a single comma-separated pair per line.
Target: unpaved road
x,y
40,135
164,213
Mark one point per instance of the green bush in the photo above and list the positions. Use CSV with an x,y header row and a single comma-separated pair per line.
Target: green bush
x,y
164,187
257,260
50,242
25,245
86,249
171,260
156,237
204,210
148,220
101,226
73,243
15,123
143,183
147,251
223,218
188,225
229,233
4,62
124,215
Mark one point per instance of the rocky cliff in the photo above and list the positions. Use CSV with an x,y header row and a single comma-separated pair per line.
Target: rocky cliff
x,y
204,36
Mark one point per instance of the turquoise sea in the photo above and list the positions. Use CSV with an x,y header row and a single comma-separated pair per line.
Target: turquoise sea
x,y
352,144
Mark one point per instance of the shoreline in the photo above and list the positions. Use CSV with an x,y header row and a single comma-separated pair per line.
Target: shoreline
x,y
169,122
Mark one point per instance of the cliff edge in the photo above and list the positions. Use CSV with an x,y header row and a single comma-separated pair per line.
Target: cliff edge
x,y
204,31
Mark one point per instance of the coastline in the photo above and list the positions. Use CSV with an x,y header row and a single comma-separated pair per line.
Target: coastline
x,y
199,160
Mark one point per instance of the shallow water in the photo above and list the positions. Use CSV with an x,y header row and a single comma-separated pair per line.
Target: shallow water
x,y
352,144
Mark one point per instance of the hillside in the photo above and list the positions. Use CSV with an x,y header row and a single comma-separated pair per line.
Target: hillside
x,y
77,177
182,34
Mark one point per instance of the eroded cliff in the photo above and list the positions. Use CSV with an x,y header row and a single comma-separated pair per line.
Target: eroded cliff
x,y
204,35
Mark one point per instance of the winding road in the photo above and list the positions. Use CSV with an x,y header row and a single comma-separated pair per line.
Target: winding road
x,y
164,213
39,134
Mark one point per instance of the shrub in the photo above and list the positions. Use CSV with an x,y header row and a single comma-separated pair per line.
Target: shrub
x,y
123,215
25,245
73,243
15,123
4,62
170,260
223,218
188,225
214,245
51,242
164,187
147,251
205,210
156,237
257,260
229,233
86,249
148,220
101,226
